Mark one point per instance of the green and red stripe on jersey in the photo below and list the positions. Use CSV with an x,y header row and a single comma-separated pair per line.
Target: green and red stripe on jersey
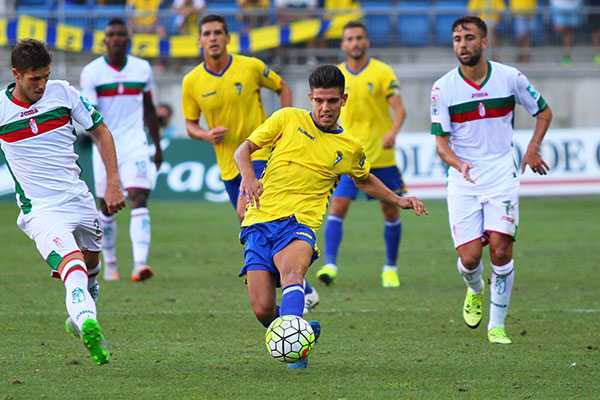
x,y
120,89
35,125
482,109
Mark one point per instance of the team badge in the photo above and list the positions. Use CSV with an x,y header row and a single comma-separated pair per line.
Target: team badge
x,y
434,105
481,108
500,286
78,296
338,157
370,86
532,92
120,88
34,126
238,87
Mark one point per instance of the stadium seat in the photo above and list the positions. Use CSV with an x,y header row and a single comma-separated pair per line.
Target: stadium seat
x,y
413,23
78,15
228,9
447,12
378,22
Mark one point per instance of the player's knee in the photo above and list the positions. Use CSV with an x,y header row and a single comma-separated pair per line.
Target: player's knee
x,y
265,315
470,261
291,275
500,255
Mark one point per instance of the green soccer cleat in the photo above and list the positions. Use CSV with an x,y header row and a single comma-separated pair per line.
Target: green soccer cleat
x,y
497,335
71,328
472,308
327,274
390,278
93,340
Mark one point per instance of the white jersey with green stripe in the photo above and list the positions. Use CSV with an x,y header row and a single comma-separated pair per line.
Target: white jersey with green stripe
x,y
479,120
119,96
37,142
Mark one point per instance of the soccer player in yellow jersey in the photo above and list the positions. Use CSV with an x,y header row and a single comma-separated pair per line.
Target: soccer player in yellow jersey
x,y
226,88
286,207
372,89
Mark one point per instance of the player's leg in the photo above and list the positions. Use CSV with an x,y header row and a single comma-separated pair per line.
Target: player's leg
x,y
140,233
392,234
292,262
261,290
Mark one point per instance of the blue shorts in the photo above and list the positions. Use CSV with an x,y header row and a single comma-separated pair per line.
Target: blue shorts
x,y
390,176
262,241
565,17
523,25
233,185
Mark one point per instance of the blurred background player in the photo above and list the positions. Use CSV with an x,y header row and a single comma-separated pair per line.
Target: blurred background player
x,y
226,88
372,88
57,209
120,86
474,106
286,207
566,18
524,24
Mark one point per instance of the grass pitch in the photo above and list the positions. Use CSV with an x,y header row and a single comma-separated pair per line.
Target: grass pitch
x,y
189,332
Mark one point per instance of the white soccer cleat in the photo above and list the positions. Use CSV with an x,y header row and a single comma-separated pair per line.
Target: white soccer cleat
x,y
311,300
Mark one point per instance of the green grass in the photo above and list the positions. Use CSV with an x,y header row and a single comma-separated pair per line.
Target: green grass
x,y
189,332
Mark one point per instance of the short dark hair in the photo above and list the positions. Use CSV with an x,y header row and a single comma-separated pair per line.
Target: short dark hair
x,y
116,21
471,19
355,24
212,18
327,76
30,54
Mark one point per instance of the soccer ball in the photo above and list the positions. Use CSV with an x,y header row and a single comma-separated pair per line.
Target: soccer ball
x,y
289,338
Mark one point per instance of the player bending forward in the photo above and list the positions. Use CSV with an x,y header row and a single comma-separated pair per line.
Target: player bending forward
x,y
57,210
286,207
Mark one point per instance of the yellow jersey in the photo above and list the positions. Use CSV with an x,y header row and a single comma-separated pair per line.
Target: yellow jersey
x,y
231,99
304,167
367,111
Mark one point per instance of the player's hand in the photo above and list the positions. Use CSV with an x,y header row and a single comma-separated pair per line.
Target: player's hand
x,y
464,170
412,202
216,134
534,159
388,141
157,158
114,198
250,191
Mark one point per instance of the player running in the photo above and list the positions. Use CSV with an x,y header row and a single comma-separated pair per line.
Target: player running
x,y
372,89
286,207
473,107
57,209
120,86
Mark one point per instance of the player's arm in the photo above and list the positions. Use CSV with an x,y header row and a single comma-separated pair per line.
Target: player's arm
x,y
151,122
375,188
442,143
399,111
250,187
106,146
285,95
195,131
532,156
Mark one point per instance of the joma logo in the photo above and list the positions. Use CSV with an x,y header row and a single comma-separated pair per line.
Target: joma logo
x,y
29,112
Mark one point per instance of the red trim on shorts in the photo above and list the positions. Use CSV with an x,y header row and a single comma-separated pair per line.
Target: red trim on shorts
x,y
75,268
501,233
470,241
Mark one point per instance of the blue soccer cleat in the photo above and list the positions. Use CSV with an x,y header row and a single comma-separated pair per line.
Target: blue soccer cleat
x,y
316,326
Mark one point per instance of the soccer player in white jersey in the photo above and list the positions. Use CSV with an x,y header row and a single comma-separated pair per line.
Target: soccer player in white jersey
x,y
472,110
57,209
120,86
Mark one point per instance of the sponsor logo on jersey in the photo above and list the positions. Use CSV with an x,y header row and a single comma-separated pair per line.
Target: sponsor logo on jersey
x,y
306,133
434,105
86,103
508,219
477,95
29,112
209,94
238,87
33,125
58,243
532,92
338,157
481,109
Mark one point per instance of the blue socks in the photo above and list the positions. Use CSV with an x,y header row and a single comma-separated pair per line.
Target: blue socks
x,y
333,237
292,301
392,234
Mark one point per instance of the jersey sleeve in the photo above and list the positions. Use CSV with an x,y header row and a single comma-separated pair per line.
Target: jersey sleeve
x,y
440,116
81,110
391,83
269,131
360,166
267,78
527,96
189,106
150,81
88,87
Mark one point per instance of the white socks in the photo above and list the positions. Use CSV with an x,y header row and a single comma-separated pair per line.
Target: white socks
x,y
503,279
471,277
109,238
93,286
79,302
139,231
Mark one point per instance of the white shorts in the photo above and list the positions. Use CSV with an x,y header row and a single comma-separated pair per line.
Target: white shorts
x,y
472,217
134,172
62,230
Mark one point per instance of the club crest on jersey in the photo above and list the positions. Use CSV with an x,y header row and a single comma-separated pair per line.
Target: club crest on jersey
x,y
434,105
238,87
338,157
33,125
120,88
370,86
481,108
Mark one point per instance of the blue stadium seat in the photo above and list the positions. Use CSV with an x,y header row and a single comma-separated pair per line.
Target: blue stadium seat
x,y
413,23
447,12
378,22
228,9
78,15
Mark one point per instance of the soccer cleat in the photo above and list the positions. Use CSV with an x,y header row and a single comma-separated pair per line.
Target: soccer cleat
x,y
327,274
111,271
472,308
497,335
71,328
93,340
389,278
311,300
141,273
316,326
